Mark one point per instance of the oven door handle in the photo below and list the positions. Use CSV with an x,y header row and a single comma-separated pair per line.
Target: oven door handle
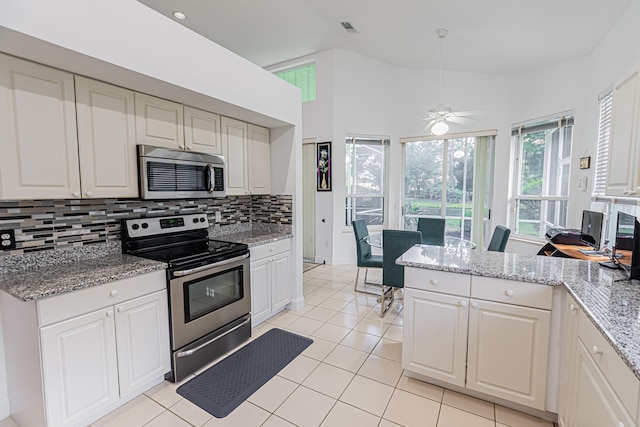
x,y
193,350
181,273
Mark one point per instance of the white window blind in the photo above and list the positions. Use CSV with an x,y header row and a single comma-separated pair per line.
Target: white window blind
x,y
604,137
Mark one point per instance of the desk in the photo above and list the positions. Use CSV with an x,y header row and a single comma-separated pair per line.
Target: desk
x,y
375,240
573,251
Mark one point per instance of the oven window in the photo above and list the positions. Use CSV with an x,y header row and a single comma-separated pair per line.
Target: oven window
x,y
210,293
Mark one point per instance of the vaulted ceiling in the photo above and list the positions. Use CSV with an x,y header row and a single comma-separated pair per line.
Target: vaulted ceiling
x,y
492,36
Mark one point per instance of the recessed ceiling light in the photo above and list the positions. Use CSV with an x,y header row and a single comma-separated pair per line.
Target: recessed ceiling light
x,y
179,15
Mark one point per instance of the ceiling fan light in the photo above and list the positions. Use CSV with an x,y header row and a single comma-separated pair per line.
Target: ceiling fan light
x,y
440,128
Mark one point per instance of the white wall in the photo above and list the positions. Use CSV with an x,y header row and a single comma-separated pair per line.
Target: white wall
x,y
125,43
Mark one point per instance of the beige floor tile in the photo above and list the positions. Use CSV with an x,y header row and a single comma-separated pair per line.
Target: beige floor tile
x,y
421,388
333,304
273,393
191,413
304,310
347,358
328,380
399,320
518,419
308,289
299,369
368,299
331,332
320,314
346,415
165,393
356,309
319,349
314,299
168,419
261,329
470,404
135,414
8,422
245,415
453,417
387,423
345,320
360,341
383,370
305,326
345,296
275,421
317,281
324,292
388,318
305,407
388,349
283,319
394,333
372,327
410,410
368,395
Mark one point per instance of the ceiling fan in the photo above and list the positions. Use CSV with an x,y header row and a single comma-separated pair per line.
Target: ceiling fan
x,y
441,114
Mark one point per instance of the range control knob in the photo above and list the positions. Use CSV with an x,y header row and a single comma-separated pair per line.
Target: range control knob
x,y
135,226
145,225
195,220
202,219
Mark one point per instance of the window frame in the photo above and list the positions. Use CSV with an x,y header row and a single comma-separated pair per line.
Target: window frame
x,y
563,120
385,142
605,117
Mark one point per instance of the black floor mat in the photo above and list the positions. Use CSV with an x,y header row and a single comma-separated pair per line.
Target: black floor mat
x,y
224,386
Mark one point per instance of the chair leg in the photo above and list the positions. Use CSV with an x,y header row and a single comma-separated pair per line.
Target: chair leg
x,y
383,307
365,278
355,287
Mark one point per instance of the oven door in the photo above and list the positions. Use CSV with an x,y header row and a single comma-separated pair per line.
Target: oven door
x,y
207,298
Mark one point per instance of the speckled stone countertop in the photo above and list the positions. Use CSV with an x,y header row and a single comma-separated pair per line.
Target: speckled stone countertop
x,y
610,300
36,276
251,235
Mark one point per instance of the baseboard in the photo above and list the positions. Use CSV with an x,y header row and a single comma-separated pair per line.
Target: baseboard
x,y
5,408
297,304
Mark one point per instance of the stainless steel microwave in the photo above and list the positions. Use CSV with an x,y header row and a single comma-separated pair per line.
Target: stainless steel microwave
x,y
175,174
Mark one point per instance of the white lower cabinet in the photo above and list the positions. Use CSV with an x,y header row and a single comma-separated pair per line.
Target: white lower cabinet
x,y
89,351
270,279
475,340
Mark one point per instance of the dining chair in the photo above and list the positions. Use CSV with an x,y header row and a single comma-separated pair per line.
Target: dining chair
x,y
499,239
432,230
364,257
394,244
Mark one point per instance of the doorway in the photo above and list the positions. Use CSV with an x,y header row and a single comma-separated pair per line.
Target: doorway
x,y
309,200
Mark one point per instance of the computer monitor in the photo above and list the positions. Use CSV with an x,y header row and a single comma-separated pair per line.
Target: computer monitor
x,y
591,231
628,243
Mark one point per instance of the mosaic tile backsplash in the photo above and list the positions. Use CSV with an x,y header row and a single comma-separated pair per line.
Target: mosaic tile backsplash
x,y
58,224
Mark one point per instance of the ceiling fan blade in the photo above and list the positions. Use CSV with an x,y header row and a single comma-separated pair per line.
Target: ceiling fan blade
x,y
462,120
470,113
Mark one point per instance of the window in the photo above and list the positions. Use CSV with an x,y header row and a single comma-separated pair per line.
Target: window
x,y
366,179
543,167
303,77
604,136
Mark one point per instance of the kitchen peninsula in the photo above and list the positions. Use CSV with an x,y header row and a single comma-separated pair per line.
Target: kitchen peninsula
x,y
511,328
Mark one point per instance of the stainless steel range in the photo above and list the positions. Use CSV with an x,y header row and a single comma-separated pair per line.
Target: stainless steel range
x,y
208,283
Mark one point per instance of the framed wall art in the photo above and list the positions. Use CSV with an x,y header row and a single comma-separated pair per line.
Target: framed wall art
x,y
324,166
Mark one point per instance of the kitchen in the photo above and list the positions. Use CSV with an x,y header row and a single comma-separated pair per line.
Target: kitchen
x,y
41,42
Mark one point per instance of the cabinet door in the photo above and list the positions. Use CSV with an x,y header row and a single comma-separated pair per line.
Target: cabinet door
x,y
567,374
508,351
234,149
38,139
159,122
80,370
624,121
280,281
435,335
106,139
258,161
142,336
260,290
201,131
595,404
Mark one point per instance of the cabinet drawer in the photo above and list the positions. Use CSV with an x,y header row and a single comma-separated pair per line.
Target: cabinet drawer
x,y
619,376
437,281
72,304
512,292
270,248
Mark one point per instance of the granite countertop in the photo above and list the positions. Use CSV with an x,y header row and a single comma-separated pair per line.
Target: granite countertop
x,y
610,300
36,276
251,235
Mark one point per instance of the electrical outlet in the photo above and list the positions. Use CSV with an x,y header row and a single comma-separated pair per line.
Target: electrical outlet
x,y
7,239
218,216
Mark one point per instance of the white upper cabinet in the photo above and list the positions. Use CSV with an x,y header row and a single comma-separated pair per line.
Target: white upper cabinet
x,y
234,149
37,132
258,162
159,122
201,131
623,172
107,139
